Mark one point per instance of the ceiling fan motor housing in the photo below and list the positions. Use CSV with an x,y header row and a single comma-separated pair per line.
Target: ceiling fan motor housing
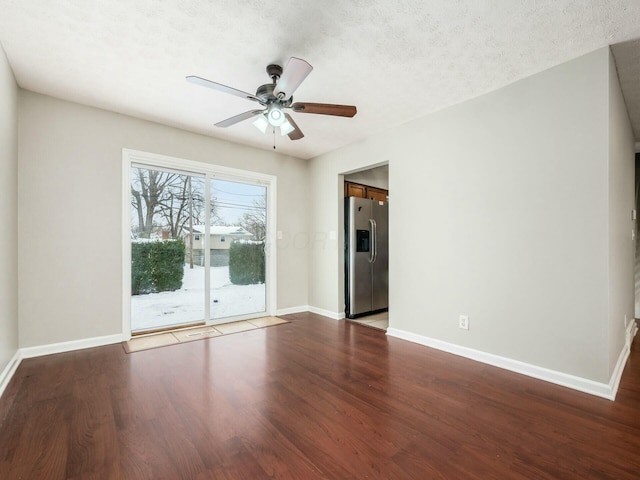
x,y
265,92
266,96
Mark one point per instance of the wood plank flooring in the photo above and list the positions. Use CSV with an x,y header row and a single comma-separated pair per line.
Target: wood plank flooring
x,y
312,399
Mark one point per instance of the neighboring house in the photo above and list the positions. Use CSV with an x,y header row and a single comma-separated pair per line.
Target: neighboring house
x,y
220,239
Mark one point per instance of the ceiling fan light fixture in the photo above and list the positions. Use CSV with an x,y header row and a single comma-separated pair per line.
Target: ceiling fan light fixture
x,y
275,115
261,123
286,128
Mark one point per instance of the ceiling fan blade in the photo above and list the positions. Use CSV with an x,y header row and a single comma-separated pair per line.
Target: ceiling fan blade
x,y
221,88
325,109
292,76
238,118
297,133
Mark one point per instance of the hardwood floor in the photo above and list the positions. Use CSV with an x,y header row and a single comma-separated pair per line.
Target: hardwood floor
x,y
310,399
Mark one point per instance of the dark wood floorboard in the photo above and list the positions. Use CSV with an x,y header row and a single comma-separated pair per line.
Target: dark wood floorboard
x,y
311,399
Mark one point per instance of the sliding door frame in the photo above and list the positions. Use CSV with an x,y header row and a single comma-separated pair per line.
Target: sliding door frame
x,y
209,171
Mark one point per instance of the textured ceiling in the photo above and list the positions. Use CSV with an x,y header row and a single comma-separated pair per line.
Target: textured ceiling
x,y
394,60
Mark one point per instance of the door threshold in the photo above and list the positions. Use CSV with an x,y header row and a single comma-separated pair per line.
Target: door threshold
x,y
172,328
178,336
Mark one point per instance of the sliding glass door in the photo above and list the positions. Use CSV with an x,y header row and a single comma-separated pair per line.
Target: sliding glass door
x,y
167,288
197,248
237,249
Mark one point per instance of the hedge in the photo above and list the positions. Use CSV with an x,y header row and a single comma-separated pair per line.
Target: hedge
x,y
156,266
246,263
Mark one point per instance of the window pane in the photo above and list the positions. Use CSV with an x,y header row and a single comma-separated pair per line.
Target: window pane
x,y
167,262
237,232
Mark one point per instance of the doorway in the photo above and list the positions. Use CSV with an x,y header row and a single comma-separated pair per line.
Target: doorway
x,y
197,249
366,276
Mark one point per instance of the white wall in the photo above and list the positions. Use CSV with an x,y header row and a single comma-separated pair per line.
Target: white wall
x,y
500,211
621,203
8,213
372,177
70,190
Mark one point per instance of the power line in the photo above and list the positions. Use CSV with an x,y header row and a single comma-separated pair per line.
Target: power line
x,y
215,189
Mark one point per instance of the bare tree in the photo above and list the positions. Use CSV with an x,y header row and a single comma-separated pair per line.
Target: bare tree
x,y
182,204
254,220
165,199
147,190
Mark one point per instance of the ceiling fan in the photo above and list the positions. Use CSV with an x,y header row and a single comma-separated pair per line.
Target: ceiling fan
x,y
275,97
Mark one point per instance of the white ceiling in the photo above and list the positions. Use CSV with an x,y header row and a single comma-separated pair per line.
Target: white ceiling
x,y
394,60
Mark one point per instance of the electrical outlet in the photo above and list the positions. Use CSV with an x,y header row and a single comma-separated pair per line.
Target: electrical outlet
x,y
463,322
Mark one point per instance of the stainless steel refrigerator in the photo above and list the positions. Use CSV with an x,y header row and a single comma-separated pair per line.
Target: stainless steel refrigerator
x,y
366,256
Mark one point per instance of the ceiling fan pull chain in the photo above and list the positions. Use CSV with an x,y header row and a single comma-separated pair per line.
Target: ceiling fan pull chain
x,y
274,138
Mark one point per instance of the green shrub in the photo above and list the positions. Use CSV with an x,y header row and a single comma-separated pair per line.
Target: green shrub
x,y
141,268
246,263
156,266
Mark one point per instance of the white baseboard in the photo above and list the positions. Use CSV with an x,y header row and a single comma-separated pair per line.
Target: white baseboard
x,y
308,308
614,383
327,313
605,390
9,370
631,331
290,310
40,350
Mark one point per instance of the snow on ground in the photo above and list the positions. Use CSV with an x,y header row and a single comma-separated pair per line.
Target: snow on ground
x,y
186,305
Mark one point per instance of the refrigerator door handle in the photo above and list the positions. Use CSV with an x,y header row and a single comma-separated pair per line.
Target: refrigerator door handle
x,y
375,258
374,244
372,258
